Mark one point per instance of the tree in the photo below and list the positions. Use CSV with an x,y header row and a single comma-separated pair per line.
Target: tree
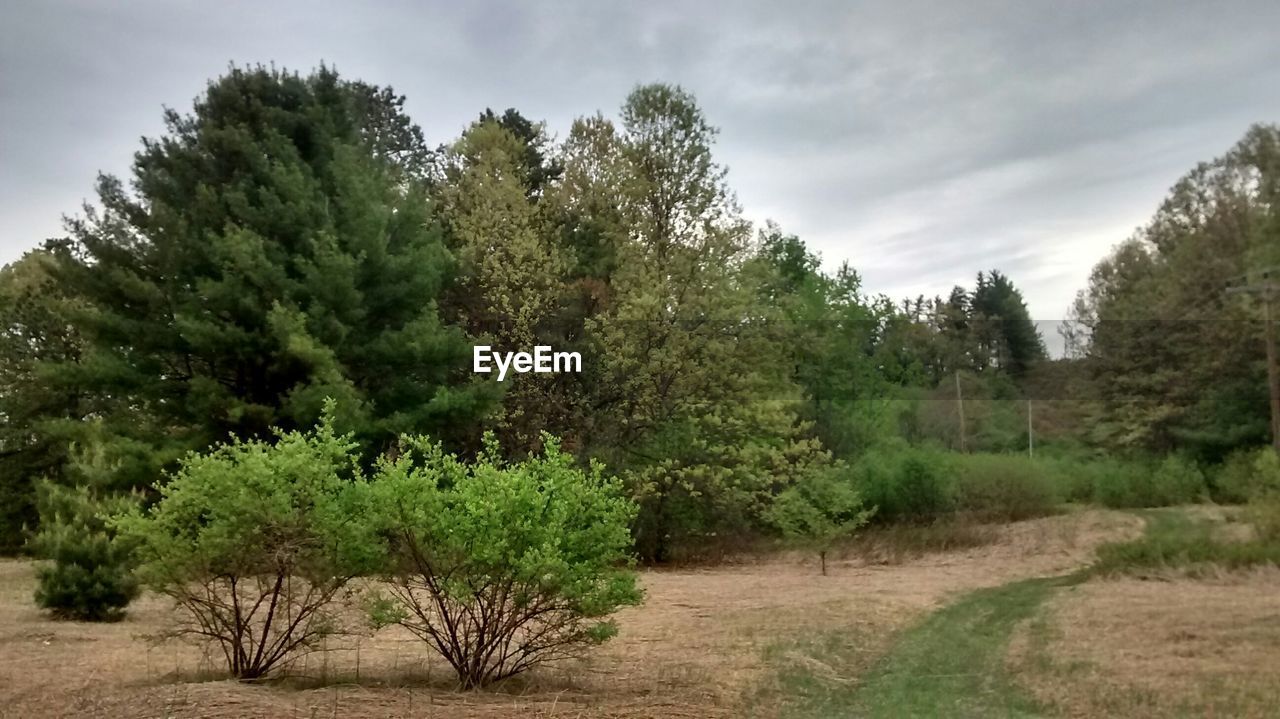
x,y
818,511
1012,341
1177,361
89,575
255,542
512,278
692,401
831,334
502,567
276,248
36,419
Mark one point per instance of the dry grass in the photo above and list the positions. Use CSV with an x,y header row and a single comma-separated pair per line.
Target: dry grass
x,y
1178,647
693,650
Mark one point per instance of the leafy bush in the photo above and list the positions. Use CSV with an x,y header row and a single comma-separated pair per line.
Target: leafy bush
x,y
1126,484
1178,480
90,577
819,510
1247,474
1004,487
907,484
501,567
255,541
1264,514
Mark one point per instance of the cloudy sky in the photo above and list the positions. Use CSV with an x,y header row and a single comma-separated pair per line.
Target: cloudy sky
x,y
920,141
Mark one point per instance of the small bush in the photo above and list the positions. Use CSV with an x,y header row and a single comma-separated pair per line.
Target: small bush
x,y
1132,483
1247,474
904,485
1002,487
90,577
820,509
255,541
500,567
1264,515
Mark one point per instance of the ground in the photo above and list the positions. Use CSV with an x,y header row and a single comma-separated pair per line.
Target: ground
x,y
706,643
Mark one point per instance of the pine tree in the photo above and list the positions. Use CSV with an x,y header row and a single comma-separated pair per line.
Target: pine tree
x,y
275,248
89,572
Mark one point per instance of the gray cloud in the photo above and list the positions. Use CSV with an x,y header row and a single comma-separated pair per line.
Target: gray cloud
x,y
919,141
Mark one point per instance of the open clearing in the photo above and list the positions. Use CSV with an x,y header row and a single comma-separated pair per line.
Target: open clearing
x,y
707,642
1158,648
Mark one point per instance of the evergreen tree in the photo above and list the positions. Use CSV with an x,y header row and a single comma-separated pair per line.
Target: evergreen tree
x,y
1010,337
89,573
276,248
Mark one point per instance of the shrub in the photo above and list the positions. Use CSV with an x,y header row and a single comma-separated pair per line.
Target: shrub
x,y
255,541
1004,487
1247,474
819,510
90,577
1117,483
1177,480
907,484
1264,514
501,567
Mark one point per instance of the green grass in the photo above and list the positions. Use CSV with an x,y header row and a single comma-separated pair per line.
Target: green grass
x,y
1175,541
951,664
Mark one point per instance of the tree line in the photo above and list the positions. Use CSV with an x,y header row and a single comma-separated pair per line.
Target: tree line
x,y
294,238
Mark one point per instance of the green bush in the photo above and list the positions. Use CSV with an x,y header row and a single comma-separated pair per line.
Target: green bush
x,y
89,577
1132,483
1264,515
904,484
500,567
1178,480
1003,487
1247,474
255,541
820,509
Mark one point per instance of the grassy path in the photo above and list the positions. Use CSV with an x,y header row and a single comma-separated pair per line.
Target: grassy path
x,y
950,665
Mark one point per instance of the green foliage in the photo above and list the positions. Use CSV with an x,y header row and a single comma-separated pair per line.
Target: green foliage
x,y
501,567
1124,484
34,329
1002,487
1247,474
1178,362
1264,514
1004,325
254,542
905,484
90,575
819,510
1175,541
275,247
691,404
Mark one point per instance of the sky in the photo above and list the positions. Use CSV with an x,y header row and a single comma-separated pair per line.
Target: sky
x,y
921,142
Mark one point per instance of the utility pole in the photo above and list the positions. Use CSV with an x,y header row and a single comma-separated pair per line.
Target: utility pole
x,y
960,409
1267,289
1031,437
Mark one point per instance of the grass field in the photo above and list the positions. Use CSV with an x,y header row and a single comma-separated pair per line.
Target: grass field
x,y
1018,626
